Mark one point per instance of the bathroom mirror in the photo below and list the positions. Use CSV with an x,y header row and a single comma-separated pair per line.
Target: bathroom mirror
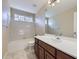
x,y
60,19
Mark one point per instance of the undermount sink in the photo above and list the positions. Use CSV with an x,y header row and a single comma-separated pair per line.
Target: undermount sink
x,y
54,39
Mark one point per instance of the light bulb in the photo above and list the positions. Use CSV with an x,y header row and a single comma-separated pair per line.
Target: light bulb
x,y
53,4
58,1
49,1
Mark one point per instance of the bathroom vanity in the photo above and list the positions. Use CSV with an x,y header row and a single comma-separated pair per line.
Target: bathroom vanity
x,y
48,49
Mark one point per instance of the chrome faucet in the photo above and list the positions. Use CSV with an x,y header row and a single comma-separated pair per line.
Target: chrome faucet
x,y
75,35
58,35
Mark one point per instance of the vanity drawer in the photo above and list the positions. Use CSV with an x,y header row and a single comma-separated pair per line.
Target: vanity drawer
x,y
48,48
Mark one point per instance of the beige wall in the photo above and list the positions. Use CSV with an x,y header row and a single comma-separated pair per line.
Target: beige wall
x,y
75,21
5,37
65,22
40,25
5,26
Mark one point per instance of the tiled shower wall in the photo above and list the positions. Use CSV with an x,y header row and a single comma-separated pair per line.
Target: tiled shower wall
x,y
29,29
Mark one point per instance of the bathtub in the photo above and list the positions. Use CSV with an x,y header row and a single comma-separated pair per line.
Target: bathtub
x,y
19,44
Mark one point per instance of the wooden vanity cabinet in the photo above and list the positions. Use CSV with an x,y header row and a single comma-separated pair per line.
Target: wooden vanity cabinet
x,y
48,55
36,48
45,51
47,47
41,52
61,55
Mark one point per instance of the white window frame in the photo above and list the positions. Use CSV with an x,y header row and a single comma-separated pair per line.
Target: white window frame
x,y
22,18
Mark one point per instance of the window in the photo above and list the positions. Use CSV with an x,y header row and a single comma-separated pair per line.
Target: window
x,y
22,18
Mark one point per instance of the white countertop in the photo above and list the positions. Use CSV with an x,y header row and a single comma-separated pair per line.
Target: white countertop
x,y
65,44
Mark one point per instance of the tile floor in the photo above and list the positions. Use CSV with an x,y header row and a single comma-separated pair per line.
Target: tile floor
x,y
22,54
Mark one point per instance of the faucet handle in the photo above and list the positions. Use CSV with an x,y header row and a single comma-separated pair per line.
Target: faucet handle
x,y
75,34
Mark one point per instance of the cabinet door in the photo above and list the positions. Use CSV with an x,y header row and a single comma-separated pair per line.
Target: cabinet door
x,y
47,47
61,55
36,49
41,53
48,56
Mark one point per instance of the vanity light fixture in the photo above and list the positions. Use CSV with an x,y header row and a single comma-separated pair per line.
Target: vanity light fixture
x,y
52,2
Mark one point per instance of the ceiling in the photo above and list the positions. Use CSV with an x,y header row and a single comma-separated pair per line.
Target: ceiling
x,y
61,7
34,6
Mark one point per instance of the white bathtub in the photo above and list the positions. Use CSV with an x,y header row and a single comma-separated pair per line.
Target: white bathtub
x,y
19,44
